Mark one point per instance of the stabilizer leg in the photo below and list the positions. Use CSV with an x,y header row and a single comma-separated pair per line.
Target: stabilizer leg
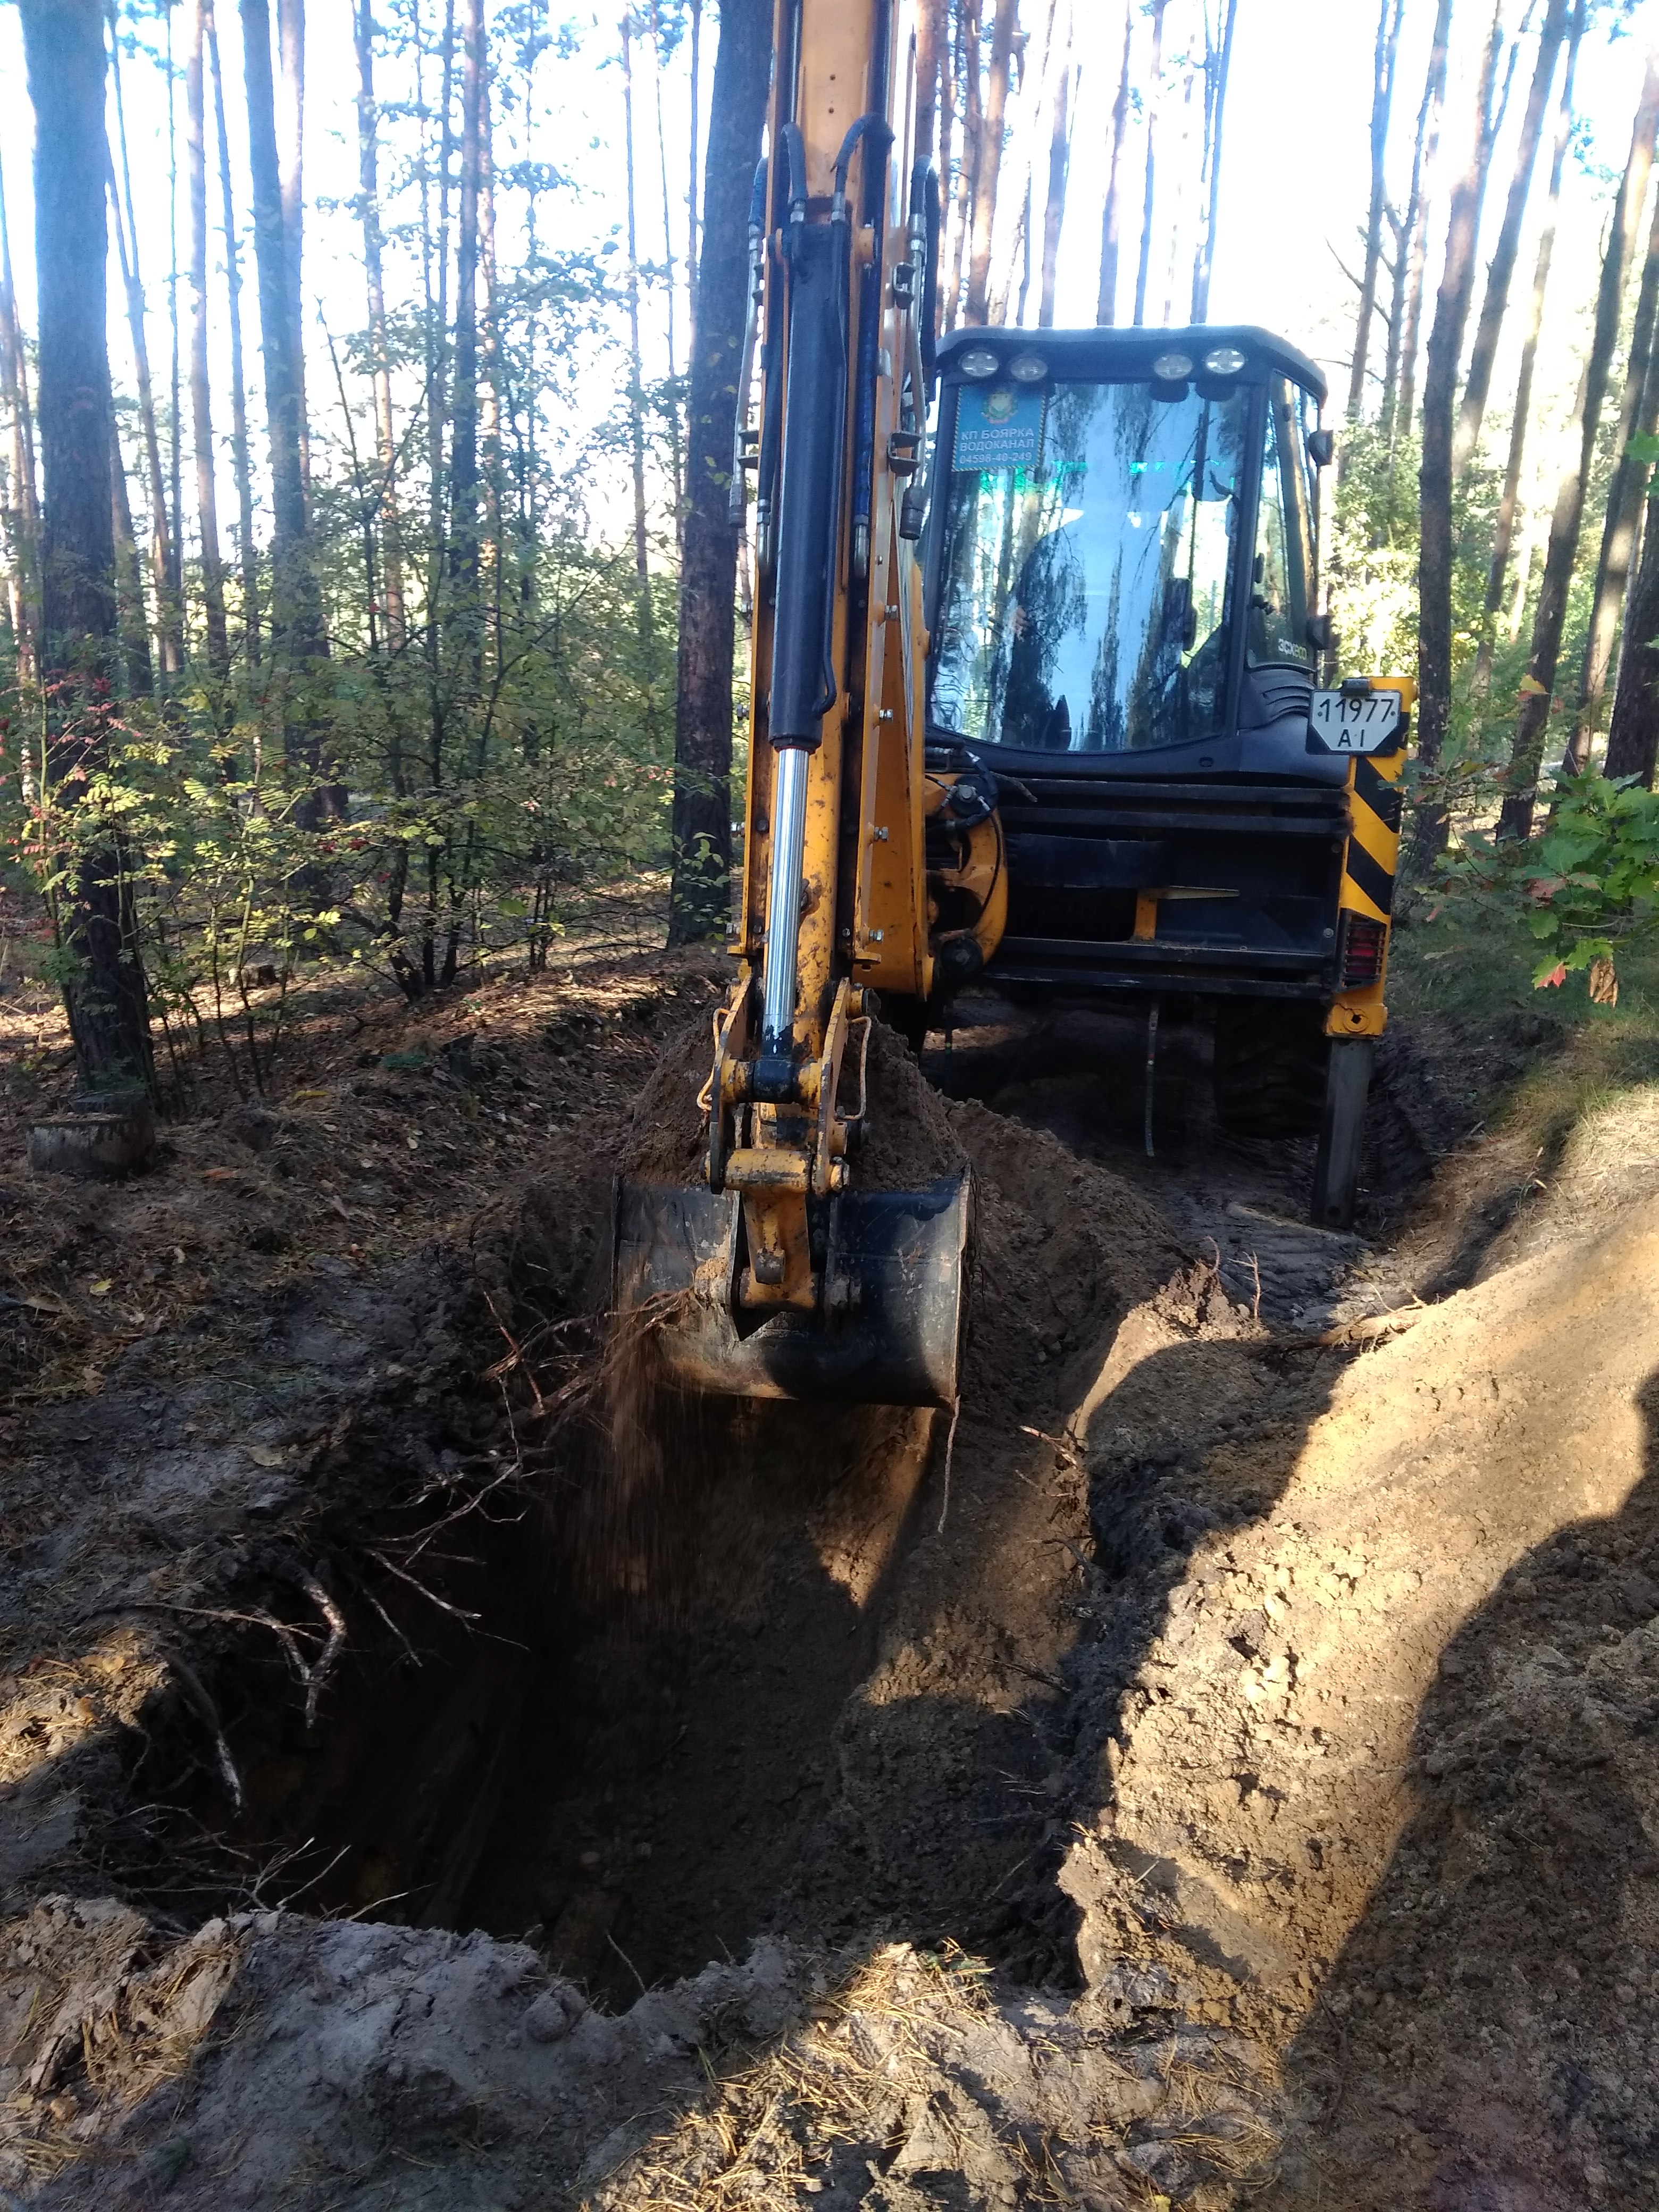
x,y
1342,1131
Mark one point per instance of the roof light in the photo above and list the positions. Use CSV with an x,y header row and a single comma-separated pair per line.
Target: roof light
x,y
1170,367
1028,369
1223,360
979,361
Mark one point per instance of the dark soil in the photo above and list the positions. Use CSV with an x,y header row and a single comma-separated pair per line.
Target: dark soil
x,y
1212,1769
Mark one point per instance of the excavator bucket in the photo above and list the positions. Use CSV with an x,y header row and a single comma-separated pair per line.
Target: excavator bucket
x,y
894,1266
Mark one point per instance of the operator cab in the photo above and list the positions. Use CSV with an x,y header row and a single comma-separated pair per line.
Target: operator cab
x,y
1122,555
1121,585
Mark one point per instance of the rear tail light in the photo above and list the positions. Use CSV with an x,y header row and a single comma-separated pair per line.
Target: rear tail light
x,y
1362,945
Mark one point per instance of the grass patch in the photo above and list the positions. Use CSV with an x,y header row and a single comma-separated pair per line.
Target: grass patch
x,y
1542,1062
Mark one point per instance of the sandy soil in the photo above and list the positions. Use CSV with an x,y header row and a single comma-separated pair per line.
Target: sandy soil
x,y
1223,1774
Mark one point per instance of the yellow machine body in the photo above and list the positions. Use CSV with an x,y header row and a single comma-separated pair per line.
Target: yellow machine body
x,y
1371,862
871,870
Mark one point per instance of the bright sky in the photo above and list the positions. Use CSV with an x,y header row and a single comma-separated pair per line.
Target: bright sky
x,y
1295,173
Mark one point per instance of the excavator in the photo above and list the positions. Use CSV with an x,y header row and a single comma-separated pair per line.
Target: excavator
x,y
1037,707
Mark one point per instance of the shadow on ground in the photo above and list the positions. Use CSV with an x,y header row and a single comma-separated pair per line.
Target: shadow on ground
x,y
1488,2037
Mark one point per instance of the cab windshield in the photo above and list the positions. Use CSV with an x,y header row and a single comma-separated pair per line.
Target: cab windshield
x,y
1088,578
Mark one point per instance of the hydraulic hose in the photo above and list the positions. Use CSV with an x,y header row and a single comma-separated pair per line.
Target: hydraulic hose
x,y
864,415
920,344
809,478
735,494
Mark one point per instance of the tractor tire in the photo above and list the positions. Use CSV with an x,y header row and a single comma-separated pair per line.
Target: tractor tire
x,y
1271,1062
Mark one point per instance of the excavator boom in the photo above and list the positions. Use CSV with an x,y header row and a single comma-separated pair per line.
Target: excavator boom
x,y
783,1274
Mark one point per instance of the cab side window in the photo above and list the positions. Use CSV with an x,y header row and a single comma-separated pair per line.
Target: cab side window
x,y
1277,633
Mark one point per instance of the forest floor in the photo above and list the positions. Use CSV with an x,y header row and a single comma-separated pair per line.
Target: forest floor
x,y
1225,1772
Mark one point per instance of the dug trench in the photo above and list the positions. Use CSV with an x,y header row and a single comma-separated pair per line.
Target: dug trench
x,y
1082,1809
618,1727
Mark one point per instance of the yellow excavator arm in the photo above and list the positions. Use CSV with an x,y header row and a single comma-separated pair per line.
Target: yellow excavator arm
x,y
790,1279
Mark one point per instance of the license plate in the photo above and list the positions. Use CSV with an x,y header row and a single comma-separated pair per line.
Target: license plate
x,y
1349,722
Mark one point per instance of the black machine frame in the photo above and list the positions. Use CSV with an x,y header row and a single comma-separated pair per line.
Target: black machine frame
x,y
1202,873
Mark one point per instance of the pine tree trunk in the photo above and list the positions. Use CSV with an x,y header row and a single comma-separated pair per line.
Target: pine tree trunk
x,y
290,100
676,457
1452,313
489,381
464,422
1218,65
973,139
1509,498
1499,275
946,124
296,622
691,218
207,505
435,255
241,458
1633,736
1382,75
1176,144
1149,186
272,244
635,365
23,516
1011,228
700,903
931,50
1059,158
1424,160
132,617
1022,252
64,49
1399,229
1111,221
1532,725
1625,495
434,287
176,384
988,169
385,438
170,626
466,616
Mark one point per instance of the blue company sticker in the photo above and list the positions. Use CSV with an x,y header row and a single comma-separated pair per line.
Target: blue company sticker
x,y
1000,429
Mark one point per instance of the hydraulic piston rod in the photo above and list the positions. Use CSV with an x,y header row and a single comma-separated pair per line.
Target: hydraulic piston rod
x,y
783,902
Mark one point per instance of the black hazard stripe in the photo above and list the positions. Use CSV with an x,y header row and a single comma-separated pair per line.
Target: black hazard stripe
x,y
1372,877
1379,796
1386,799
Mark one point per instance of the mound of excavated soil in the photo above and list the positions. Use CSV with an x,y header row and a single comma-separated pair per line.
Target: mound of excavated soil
x,y
907,1138
1065,1249
1379,1716
336,2063
1060,1243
